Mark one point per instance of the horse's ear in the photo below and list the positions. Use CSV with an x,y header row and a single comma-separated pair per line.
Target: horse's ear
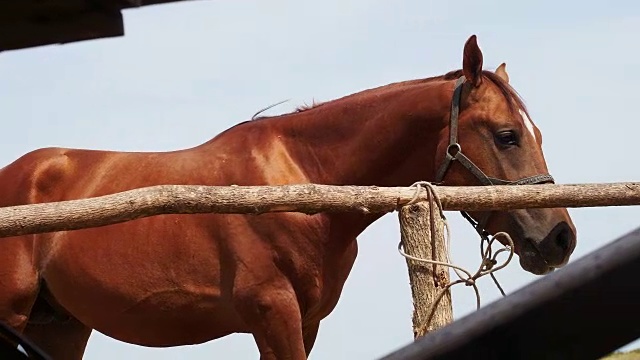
x,y
501,71
472,61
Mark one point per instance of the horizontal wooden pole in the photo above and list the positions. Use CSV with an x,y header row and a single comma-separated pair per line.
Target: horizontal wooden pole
x,y
305,198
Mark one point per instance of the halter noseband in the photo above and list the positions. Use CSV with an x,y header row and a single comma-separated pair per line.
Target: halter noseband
x,y
454,153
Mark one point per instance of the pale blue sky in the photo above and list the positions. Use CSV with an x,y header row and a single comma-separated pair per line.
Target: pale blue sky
x,y
185,72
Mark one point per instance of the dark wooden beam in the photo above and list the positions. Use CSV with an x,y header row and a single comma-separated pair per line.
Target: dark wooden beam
x,y
60,30
584,311
30,23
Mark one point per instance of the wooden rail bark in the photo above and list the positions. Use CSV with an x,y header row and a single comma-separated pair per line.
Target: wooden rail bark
x,y
307,198
426,280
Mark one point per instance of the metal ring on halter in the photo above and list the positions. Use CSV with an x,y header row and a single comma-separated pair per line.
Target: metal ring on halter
x,y
455,146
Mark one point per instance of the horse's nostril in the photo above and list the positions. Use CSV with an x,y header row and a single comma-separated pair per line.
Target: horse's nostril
x,y
563,238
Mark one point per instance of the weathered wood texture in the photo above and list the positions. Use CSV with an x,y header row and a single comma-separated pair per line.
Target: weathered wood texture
x,y
426,280
307,198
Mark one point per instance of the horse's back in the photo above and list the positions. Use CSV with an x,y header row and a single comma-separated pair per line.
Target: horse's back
x,y
246,154
19,179
51,174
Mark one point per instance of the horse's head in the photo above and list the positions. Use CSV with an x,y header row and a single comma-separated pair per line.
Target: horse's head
x,y
490,139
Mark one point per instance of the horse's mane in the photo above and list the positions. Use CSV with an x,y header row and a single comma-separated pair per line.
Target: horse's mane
x,y
513,98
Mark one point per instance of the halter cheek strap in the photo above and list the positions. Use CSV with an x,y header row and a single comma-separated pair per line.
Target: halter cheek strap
x,y
454,153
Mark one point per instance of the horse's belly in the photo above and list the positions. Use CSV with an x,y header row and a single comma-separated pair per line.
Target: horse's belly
x,y
152,296
155,323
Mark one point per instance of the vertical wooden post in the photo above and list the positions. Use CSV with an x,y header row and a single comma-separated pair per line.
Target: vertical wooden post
x,y
426,279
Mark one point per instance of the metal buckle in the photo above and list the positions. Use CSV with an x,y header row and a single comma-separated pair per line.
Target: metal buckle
x,y
455,146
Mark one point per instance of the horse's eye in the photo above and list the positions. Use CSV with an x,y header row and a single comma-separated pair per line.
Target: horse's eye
x,y
507,138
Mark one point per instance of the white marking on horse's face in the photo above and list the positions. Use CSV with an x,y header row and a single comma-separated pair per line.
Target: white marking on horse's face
x,y
527,123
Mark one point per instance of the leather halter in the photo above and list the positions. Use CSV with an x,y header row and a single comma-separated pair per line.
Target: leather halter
x,y
454,153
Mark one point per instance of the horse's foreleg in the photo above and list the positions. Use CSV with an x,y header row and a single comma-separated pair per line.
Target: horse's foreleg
x,y
273,316
310,332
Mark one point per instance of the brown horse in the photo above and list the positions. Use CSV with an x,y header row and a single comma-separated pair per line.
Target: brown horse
x,y
185,279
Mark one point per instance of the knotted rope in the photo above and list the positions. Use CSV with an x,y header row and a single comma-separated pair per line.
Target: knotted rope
x,y
489,263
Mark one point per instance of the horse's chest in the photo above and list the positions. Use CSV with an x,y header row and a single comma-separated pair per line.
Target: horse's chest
x,y
335,270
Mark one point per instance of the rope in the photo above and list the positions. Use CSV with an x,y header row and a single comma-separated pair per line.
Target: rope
x,y
488,266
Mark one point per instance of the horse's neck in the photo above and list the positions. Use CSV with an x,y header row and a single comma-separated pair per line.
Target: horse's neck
x,y
383,137
386,139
